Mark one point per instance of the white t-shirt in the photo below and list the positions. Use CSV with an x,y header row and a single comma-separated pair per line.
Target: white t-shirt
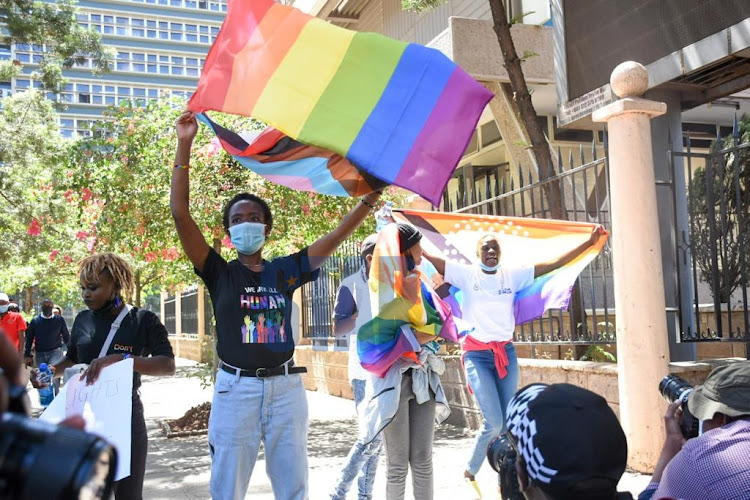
x,y
356,284
488,298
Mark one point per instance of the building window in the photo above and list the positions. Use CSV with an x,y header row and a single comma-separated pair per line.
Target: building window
x,y
84,98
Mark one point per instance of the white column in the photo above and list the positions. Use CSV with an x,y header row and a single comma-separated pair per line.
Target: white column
x,y
642,347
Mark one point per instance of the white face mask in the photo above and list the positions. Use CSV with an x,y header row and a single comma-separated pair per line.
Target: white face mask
x,y
4,309
248,237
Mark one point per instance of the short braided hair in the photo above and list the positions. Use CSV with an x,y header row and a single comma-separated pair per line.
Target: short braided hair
x,y
92,267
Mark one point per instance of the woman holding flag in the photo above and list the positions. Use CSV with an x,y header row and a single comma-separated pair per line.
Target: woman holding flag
x,y
489,356
258,393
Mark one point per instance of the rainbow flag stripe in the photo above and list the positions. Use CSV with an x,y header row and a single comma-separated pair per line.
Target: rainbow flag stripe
x,y
401,112
283,160
524,240
407,312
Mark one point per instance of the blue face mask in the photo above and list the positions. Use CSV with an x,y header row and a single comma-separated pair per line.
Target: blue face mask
x,y
248,237
410,264
489,269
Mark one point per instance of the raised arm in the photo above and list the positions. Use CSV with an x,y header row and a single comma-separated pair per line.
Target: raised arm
x,y
191,237
545,267
437,260
324,247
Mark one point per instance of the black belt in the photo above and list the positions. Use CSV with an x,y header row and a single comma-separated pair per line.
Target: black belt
x,y
264,372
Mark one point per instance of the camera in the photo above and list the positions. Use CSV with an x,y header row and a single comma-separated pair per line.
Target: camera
x,y
674,388
40,460
502,458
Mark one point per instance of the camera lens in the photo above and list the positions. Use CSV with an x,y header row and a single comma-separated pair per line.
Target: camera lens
x,y
674,388
73,464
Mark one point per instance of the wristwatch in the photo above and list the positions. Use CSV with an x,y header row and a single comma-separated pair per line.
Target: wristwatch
x,y
126,356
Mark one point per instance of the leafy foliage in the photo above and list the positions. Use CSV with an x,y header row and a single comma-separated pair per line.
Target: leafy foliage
x,y
719,204
53,25
420,6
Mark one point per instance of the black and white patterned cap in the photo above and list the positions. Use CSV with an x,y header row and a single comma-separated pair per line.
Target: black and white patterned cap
x,y
570,439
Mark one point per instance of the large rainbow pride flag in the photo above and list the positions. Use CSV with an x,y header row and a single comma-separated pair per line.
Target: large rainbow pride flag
x,y
400,112
526,240
406,311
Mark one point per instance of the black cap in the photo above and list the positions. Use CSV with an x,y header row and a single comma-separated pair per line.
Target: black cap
x,y
368,245
408,236
571,441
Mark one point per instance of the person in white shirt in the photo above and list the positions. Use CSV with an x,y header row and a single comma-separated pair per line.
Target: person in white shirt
x,y
489,356
352,310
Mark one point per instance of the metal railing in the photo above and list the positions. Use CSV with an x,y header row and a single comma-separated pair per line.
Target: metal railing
x,y
713,249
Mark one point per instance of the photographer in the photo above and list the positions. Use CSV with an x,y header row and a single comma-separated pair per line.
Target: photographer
x,y
569,444
714,465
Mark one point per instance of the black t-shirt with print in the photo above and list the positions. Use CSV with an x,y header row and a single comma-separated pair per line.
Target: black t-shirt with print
x,y
140,334
253,310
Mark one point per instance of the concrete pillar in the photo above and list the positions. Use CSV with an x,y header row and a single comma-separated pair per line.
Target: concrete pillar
x,y
642,348
666,134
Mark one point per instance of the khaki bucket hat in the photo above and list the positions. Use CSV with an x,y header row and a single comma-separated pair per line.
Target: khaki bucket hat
x,y
726,390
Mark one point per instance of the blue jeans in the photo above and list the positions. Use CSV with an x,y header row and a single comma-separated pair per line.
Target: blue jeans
x,y
362,459
247,411
492,394
50,357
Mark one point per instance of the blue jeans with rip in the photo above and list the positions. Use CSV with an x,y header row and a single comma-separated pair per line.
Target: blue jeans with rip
x,y
362,459
247,411
492,395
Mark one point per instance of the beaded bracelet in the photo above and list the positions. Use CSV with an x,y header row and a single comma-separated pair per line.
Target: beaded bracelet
x,y
367,204
183,167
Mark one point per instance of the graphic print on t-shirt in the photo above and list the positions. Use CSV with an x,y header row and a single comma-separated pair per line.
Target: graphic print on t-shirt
x,y
263,322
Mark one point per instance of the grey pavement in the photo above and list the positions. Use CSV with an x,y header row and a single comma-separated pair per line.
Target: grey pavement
x,y
179,468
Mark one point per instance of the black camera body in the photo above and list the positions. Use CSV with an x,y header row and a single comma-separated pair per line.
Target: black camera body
x,y
674,388
502,458
39,460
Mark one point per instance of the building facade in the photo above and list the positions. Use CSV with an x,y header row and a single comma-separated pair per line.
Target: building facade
x,y
160,47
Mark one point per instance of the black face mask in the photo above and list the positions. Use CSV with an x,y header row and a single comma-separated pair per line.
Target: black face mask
x,y
46,311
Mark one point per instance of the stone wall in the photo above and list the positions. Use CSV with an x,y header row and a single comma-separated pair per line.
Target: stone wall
x,y
187,348
327,372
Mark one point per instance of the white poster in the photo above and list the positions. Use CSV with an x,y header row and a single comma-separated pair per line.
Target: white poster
x,y
106,406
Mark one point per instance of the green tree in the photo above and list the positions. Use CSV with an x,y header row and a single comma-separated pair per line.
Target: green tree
x,y
54,26
719,201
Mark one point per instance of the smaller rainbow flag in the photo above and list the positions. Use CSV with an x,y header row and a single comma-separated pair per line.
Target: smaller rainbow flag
x,y
408,313
400,112
283,160
526,240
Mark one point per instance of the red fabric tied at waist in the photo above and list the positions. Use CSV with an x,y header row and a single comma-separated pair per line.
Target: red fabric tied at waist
x,y
469,344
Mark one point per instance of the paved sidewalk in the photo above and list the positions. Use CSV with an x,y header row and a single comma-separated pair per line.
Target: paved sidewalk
x,y
179,468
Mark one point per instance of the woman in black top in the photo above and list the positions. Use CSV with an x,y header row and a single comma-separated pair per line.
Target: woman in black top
x,y
258,394
104,279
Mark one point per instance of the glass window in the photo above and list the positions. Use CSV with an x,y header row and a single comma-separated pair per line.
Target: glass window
x,y
191,61
164,59
138,56
37,48
84,98
191,28
67,133
109,89
177,60
97,99
140,67
66,123
191,4
96,18
151,33
109,19
205,39
177,70
191,71
176,36
204,29
138,32
82,87
97,28
122,31
164,70
108,30
150,24
151,57
84,25
139,92
109,100
136,22
163,25
68,87
123,20
24,58
176,3
123,90
214,30
152,68
22,84
123,66
164,35
191,38
96,89
176,26
123,56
